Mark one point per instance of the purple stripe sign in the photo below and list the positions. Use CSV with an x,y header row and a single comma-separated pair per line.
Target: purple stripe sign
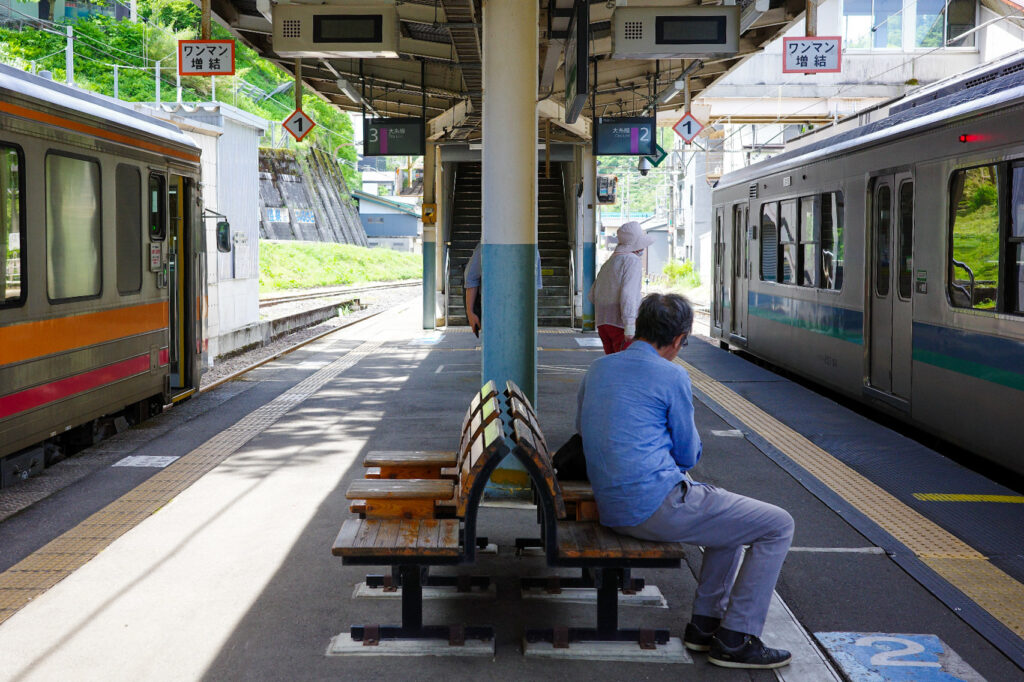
x,y
634,140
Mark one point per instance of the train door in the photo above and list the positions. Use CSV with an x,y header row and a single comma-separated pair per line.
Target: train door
x,y
720,281
739,271
889,278
179,278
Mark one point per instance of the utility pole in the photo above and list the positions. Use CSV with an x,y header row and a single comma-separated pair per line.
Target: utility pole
x,y
69,58
156,71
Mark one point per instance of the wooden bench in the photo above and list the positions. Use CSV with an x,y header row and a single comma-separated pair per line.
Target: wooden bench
x,y
426,493
583,543
412,542
429,463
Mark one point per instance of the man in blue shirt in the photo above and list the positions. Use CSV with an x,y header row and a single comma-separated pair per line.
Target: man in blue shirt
x,y
636,419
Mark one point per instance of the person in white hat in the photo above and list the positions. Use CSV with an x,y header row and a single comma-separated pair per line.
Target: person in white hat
x,y
616,290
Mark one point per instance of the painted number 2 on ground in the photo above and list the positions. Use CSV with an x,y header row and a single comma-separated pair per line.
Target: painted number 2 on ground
x,y
896,658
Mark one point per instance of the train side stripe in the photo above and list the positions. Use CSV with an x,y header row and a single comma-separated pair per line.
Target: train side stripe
x,y
986,357
29,340
65,388
840,323
62,122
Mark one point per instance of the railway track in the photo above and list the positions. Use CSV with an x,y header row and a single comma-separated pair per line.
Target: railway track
x,y
336,292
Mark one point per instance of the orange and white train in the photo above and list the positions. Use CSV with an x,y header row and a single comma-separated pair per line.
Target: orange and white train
x,y
102,268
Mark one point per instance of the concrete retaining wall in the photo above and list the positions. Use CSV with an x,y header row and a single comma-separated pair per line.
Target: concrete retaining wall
x,y
311,190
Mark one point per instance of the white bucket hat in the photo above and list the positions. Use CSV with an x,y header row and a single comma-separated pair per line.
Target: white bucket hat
x,y
632,238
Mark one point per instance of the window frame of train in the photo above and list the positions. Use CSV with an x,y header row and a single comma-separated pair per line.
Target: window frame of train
x,y
1005,234
784,252
157,229
55,271
128,215
13,194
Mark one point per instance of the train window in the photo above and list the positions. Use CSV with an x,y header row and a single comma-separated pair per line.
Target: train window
x,y
906,238
832,240
129,229
883,230
788,245
1016,239
975,248
12,227
808,242
157,207
73,228
769,243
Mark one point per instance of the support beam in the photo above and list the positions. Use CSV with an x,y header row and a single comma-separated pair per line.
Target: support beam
x,y
449,120
555,112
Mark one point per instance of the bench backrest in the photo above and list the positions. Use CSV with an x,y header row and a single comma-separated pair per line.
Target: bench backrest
x,y
484,451
532,449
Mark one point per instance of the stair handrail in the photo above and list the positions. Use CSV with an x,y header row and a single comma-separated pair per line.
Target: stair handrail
x,y
572,288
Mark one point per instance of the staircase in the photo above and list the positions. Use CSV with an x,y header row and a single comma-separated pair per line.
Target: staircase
x,y
554,301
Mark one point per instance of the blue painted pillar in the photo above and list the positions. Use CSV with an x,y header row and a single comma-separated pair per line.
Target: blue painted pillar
x,y
588,257
429,242
509,325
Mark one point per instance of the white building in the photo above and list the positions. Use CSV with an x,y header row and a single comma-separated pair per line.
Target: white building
x,y
889,49
229,139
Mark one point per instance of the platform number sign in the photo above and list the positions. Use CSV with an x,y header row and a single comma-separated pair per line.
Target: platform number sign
x,y
658,156
878,656
688,128
206,57
822,54
298,124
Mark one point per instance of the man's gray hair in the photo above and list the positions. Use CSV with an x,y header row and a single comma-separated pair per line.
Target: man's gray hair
x,y
663,317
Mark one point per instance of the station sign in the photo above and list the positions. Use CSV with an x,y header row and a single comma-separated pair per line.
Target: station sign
x,y
206,57
577,59
624,136
299,124
393,137
818,54
688,127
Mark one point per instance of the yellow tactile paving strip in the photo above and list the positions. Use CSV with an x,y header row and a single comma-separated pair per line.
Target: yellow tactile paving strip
x,y
43,569
960,497
951,558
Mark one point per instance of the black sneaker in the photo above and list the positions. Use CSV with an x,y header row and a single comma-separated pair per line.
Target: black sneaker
x,y
751,654
696,639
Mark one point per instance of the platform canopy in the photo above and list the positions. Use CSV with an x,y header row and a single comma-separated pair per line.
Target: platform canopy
x,y
440,52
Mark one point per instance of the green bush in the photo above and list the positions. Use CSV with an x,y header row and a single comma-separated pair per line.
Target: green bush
x,y
303,265
983,195
681,275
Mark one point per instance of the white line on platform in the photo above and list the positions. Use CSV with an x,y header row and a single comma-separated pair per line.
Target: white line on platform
x,y
731,433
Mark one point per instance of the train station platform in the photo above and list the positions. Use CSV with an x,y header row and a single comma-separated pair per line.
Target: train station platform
x,y
204,552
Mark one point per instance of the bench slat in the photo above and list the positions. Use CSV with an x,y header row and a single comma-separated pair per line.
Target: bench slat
x,y
383,458
576,491
400,489
584,540
379,537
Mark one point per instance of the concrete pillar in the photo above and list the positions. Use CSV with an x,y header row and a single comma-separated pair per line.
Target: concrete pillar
x,y
509,334
440,195
588,257
510,193
429,241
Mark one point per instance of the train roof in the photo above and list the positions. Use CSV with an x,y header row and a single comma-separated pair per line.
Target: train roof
x,y
79,104
959,104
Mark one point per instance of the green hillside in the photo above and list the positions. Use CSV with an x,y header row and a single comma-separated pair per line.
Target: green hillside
x,y
101,43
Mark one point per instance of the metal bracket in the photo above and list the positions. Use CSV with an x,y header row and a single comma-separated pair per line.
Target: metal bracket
x,y
560,638
646,639
208,214
371,635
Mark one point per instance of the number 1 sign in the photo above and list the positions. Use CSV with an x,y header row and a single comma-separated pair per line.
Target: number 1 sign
x,y
688,127
298,124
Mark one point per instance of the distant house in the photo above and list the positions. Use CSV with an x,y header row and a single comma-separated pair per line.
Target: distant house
x,y
390,223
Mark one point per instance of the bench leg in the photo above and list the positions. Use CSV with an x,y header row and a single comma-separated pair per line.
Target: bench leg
x,y
412,618
609,581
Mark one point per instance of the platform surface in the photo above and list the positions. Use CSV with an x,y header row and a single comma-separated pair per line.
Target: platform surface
x,y
219,565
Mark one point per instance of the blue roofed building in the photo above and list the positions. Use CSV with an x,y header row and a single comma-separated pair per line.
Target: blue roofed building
x,y
390,223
